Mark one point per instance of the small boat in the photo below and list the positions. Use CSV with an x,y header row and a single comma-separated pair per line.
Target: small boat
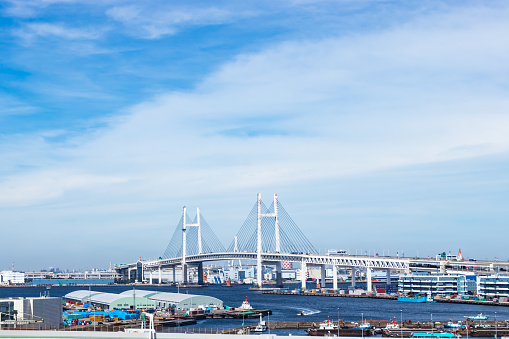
x,y
480,316
363,326
302,313
245,305
454,325
261,326
391,326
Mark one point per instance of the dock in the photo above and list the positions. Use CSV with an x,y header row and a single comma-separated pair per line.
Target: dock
x,y
378,296
386,296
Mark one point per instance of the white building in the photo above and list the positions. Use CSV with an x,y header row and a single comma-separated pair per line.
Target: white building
x,y
12,278
33,312
493,285
239,273
437,284
94,274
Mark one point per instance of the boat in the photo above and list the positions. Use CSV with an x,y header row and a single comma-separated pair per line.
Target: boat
x,y
428,299
363,326
453,325
245,305
261,326
328,328
480,316
391,326
412,299
301,313
432,335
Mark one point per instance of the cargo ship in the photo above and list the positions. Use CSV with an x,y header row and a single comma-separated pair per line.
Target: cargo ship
x,y
428,299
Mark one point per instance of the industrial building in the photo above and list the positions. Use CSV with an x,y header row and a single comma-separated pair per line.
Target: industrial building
x,y
180,301
31,312
12,278
143,299
109,301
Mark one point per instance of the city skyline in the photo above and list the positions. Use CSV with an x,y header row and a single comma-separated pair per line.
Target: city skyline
x,y
381,125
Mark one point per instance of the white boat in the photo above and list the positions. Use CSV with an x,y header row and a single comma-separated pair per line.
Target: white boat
x,y
262,325
391,326
245,305
327,325
480,316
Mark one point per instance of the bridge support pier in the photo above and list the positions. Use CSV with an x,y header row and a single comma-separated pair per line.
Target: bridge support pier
x,y
303,274
160,276
322,276
279,277
184,274
174,274
369,283
150,277
388,272
334,277
200,273
353,277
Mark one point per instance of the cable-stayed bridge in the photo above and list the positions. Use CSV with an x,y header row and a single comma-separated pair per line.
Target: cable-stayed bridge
x,y
269,236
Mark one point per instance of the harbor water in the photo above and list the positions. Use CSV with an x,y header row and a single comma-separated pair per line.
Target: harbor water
x,y
286,308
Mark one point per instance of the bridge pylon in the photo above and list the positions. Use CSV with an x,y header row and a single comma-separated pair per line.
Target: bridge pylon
x,y
260,215
185,225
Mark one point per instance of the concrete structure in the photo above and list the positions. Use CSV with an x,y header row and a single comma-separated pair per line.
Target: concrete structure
x,y
12,278
32,312
493,285
94,274
437,284
69,282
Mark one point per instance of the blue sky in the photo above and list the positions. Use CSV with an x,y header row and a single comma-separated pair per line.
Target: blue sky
x,y
382,125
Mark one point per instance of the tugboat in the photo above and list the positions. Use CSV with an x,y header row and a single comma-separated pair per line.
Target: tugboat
x,y
245,305
262,325
480,316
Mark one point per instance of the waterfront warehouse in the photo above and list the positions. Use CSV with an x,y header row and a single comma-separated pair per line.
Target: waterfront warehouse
x,y
180,301
110,301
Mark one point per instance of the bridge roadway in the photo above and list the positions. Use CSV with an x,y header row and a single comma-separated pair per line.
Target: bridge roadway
x,y
369,263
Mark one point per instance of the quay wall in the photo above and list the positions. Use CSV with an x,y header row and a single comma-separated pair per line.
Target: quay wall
x,y
110,335
391,297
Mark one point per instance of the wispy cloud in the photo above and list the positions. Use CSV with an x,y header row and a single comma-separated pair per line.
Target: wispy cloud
x,y
43,29
366,103
153,23
31,8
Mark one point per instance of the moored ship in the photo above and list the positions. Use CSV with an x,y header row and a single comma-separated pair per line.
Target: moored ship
x,y
328,328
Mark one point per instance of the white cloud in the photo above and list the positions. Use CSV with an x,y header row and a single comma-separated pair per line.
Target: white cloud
x,y
154,23
295,113
334,107
42,29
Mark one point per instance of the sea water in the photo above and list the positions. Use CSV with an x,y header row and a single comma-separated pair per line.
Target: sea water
x,y
288,307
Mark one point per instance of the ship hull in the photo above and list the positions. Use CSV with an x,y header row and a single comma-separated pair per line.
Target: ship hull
x,y
342,332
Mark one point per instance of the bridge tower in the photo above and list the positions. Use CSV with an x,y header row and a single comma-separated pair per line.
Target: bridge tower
x,y
184,240
259,278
